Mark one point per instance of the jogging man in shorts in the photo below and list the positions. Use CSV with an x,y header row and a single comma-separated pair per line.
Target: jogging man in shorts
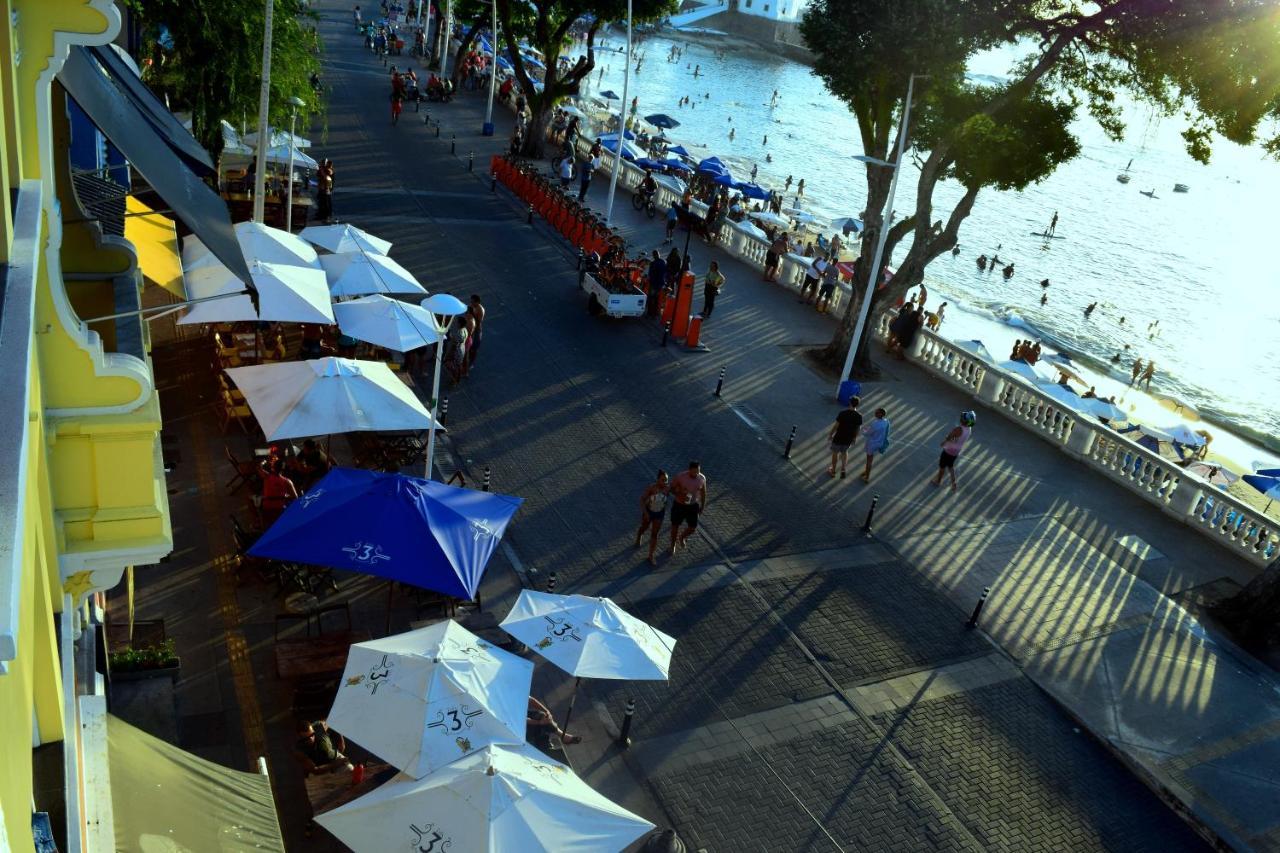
x,y
842,436
690,491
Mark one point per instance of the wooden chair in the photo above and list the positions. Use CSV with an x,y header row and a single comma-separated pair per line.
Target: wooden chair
x,y
227,356
241,414
225,385
246,472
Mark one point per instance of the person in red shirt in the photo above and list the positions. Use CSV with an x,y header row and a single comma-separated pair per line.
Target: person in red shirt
x,y
277,491
397,96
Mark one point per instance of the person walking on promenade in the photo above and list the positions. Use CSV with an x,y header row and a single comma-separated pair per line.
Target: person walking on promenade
x,y
773,258
397,96
657,281
711,285
588,169
673,268
690,491
952,444
673,217
566,172
827,292
1135,370
477,312
844,432
653,506
324,190
1148,372
875,440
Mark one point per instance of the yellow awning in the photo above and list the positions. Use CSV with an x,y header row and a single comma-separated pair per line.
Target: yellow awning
x,y
164,798
156,240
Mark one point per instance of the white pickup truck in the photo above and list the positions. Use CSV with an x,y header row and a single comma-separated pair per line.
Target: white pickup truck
x,y
628,301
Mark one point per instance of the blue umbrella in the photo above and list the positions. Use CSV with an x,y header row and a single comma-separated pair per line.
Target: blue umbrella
x,y
630,136
503,62
1267,472
713,166
1269,486
678,165
750,189
610,95
847,224
662,120
416,531
679,149
725,180
611,145
533,60
646,163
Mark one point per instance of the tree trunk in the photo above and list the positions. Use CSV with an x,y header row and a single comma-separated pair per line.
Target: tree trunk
x,y
539,120
468,39
1251,613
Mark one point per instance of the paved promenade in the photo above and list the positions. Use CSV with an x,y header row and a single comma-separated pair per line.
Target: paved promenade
x,y
825,693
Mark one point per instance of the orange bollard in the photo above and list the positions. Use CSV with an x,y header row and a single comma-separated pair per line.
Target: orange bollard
x,y
684,304
695,332
666,306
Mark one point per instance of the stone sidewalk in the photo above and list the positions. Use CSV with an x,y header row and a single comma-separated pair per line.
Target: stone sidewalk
x,y
825,693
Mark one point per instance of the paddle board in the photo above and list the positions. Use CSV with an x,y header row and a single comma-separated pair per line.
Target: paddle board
x,y
1045,236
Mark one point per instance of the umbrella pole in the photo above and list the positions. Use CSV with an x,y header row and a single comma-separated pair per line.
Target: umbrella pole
x,y
573,697
435,406
391,586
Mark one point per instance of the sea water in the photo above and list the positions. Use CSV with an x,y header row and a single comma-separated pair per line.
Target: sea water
x,y
1200,263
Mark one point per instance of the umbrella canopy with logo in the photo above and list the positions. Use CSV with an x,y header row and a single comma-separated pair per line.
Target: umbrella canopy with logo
x,y
258,242
360,273
419,532
286,294
387,322
501,799
324,396
344,238
848,224
422,699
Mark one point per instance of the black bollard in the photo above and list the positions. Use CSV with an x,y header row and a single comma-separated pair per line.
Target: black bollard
x,y
493,182
530,219
551,583
624,736
437,130
866,525
977,608
453,144
471,161
444,408
486,478
582,259
786,451
427,121
720,382
666,331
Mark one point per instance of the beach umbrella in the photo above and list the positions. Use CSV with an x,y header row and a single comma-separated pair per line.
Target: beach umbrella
x,y
713,166
679,150
663,121
847,224
802,217
1104,409
678,165
500,799
607,136
344,238
1157,434
1038,372
1063,395
279,155
286,294
1269,486
1265,469
277,138
570,109
361,273
725,180
648,163
589,637
768,217
671,182
533,60
503,62
258,242
1215,474
750,189
231,141
387,322
425,698
977,348
323,396
419,532
751,229
1184,434
610,95
630,151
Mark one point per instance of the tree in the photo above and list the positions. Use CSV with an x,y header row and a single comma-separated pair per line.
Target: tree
x,y
546,24
212,66
1212,62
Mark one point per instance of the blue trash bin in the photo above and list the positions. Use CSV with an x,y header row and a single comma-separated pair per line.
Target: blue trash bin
x,y
848,390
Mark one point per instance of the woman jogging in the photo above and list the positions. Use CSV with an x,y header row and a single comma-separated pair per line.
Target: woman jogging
x,y
951,447
653,506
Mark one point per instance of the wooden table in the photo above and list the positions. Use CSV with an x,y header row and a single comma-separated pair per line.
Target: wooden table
x,y
313,657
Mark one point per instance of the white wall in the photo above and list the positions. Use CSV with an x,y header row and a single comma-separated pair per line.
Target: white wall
x,y
774,10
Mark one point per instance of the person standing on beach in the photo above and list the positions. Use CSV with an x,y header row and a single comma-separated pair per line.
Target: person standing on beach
x,y
1149,372
653,506
786,187
800,190
876,440
1135,370
952,444
844,432
690,491
711,286
754,170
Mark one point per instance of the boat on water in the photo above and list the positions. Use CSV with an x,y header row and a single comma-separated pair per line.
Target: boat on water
x,y
1149,193
1181,188
1123,177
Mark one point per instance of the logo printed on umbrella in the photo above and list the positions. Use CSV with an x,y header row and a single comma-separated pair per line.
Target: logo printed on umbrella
x,y
561,630
454,719
428,837
463,744
378,674
366,552
482,528
310,497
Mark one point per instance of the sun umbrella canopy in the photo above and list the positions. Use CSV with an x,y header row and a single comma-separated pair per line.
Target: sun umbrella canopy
x,y
751,229
422,699
344,238
1065,396
286,294
416,531
570,109
387,322
679,150
1261,469
501,799
589,637
614,135
1156,434
1038,372
725,180
259,243
768,217
713,166
630,151
976,347
360,273
278,137
1104,409
1269,486
678,165
671,182
663,121
610,95
848,224
648,163
323,396
1215,474
750,189
1184,434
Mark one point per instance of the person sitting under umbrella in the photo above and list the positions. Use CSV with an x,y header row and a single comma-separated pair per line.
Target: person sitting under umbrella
x,y
277,491
319,749
541,719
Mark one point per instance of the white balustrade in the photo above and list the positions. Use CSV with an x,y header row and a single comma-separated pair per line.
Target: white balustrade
x,y
957,366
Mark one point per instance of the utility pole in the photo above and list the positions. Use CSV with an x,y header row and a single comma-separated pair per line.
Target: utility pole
x,y
264,132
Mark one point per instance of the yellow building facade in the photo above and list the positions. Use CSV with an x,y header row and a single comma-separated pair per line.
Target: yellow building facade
x,y
81,475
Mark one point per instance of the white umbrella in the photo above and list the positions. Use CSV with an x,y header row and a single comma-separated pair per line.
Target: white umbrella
x,y
286,294
279,154
1064,396
192,248
344,238
1100,408
278,137
360,273
770,218
512,799
1064,364
1215,474
1184,434
258,242
977,348
1157,434
387,322
231,141
801,259
753,230
589,637
1032,373
294,399
570,109
422,699
671,182
800,216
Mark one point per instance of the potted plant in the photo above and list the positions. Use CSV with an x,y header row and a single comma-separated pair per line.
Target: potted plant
x,y
155,661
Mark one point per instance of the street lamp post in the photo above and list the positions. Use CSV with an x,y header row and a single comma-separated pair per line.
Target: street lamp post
x,y
882,237
264,102
622,127
294,103
487,130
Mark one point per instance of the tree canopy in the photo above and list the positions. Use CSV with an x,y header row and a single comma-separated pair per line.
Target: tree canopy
x,y
1213,64
213,67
